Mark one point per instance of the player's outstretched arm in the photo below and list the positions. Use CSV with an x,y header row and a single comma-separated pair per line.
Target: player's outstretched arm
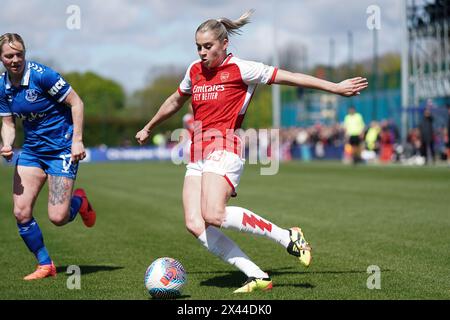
x,y
167,109
346,88
8,134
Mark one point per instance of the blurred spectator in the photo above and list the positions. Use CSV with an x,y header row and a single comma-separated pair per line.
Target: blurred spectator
x,y
413,141
188,123
387,140
159,140
373,137
354,130
125,143
427,135
394,130
302,140
447,137
188,120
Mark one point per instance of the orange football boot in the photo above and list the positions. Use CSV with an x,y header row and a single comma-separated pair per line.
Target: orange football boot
x,y
42,271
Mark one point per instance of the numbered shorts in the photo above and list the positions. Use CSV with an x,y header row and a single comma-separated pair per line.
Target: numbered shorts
x,y
55,164
224,163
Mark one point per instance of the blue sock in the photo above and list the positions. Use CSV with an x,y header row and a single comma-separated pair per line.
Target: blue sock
x,y
75,206
32,236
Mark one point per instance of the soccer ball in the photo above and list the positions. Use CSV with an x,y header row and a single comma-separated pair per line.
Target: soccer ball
x,y
165,278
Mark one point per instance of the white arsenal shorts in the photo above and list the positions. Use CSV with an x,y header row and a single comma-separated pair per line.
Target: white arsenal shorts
x,y
222,162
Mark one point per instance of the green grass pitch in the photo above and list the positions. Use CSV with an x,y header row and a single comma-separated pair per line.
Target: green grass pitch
x,y
397,218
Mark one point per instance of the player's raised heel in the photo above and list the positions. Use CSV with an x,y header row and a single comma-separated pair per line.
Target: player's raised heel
x,y
42,271
255,284
87,213
299,247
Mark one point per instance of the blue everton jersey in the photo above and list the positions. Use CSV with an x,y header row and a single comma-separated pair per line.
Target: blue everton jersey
x,y
39,103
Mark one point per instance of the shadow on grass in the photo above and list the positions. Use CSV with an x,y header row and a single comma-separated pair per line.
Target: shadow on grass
x,y
183,296
88,269
235,278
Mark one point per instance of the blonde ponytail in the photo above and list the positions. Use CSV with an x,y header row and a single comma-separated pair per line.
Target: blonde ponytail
x,y
233,27
224,27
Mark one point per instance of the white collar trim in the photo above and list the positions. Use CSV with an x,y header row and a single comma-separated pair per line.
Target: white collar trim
x,y
25,79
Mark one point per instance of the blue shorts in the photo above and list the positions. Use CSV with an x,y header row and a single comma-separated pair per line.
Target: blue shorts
x,y
54,164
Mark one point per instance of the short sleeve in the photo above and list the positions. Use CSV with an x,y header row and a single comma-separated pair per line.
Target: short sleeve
x,y
54,84
5,111
256,72
185,87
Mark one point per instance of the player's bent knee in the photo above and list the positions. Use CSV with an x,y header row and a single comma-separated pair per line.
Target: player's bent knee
x,y
22,218
195,226
23,215
214,216
59,218
196,231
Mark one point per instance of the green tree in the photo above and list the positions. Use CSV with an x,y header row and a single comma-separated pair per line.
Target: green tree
x,y
147,101
102,97
259,112
103,101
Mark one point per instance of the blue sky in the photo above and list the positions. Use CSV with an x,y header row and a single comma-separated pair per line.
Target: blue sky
x,y
129,41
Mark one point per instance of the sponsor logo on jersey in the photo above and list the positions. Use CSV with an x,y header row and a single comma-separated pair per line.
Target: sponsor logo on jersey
x,y
31,95
207,92
208,88
58,86
32,116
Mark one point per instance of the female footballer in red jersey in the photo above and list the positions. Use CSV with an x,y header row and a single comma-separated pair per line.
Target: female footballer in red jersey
x,y
220,87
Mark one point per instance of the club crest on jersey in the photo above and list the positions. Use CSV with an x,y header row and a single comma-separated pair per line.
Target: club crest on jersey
x,y
31,95
224,76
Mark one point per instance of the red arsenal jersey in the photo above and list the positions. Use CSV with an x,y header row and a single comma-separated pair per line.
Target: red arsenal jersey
x,y
220,98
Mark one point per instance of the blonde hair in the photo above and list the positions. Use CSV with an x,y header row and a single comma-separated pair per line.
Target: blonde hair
x,y
224,27
10,38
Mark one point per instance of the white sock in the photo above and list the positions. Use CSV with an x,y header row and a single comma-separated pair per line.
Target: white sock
x,y
223,247
244,220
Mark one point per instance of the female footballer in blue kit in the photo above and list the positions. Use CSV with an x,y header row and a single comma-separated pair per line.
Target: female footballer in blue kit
x,y
52,116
